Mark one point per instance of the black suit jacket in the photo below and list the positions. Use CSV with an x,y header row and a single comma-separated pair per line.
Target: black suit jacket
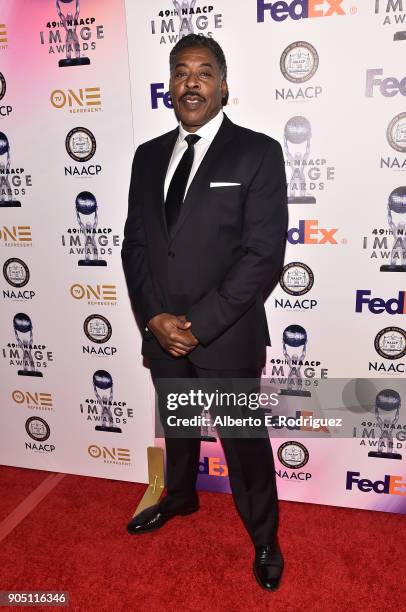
x,y
225,252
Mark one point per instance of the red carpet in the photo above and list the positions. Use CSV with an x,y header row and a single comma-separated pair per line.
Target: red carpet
x,y
75,540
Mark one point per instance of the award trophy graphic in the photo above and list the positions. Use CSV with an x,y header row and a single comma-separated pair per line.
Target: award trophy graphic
x,y
396,220
69,22
183,9
103,390
298,132
6,193
23,332
387,407
400,35
86,207
294,336
208,431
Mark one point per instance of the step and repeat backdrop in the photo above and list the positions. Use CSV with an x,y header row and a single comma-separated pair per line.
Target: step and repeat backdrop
x,y
74,394
81,85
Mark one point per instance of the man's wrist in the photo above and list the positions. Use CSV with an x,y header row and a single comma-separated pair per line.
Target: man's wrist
x,y
147,327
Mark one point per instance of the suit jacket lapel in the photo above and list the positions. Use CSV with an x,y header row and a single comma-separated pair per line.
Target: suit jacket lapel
x,y
200,178
161,166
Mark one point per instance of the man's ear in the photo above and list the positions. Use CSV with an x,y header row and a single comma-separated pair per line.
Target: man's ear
x,y
224,92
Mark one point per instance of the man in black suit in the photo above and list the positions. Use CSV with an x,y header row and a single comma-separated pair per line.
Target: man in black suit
x,y
203,244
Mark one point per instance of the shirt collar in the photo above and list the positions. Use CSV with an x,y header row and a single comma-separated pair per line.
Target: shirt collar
x,y
207,131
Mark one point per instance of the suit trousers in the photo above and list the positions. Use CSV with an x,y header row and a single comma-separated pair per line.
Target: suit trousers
x,y
249,459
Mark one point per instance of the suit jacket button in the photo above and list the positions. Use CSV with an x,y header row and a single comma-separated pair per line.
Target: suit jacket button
x,y
171,254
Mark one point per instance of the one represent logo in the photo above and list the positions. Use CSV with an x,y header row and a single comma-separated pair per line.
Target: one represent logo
x,y
299,62
16,236
300,9
37,429
297,278
183,18
110,455
13,181
33,400
396,133
390,485
82,100
80,144
3,36
16,272
293,455
96,295
390,343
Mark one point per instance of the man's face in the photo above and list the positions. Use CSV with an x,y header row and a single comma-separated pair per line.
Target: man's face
x,y
196,87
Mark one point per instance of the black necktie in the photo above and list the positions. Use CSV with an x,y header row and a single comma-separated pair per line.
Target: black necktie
x,y
177,187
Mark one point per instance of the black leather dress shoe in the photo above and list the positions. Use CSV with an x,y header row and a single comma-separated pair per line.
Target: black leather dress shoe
x,y
155,517
268,566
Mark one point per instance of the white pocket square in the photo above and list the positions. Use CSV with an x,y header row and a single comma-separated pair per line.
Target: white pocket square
x,y
224,184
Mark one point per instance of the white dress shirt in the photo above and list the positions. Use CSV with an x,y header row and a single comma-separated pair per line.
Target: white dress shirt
x,y
207,133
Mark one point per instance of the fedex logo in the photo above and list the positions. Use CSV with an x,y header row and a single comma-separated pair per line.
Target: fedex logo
x,y
378,305
309,232
388,87
391,485
158,93
213,467
298,9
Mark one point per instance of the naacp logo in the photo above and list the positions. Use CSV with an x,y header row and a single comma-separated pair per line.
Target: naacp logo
x,y
16,272
390,343
396,133
299,62
80,144
97,329
297,278
293,455
37,429
3,86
